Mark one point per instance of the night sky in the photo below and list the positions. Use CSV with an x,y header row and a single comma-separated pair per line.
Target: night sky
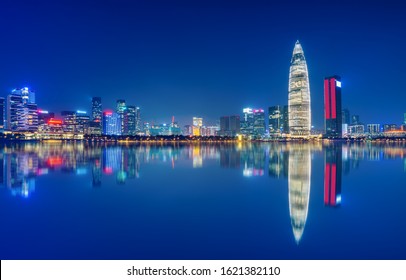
x,y
203,58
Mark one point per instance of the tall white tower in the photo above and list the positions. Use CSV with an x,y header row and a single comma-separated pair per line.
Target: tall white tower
x,y
299,94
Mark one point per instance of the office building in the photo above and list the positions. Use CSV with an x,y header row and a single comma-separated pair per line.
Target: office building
x,y
332,107
355,120
197,126
229,126
69,121
278,120
97,112
130,120
138,122
259,122
373,128
247,122
120,109
21,112
111,123
82,122
299,94
2,111
346,116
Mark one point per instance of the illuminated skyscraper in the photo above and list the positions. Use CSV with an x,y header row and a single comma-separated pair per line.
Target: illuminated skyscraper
x,y
22,111
259,122
15,112
247,122
111,123
278,120
404,118
299,94
120,109
2,114
197,126
332,107
97,110
299,187
130,120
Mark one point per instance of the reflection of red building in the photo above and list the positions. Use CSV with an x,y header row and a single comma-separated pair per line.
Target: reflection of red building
x,y
332,176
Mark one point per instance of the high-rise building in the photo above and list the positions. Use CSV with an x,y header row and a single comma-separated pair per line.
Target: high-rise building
x,y
82,122
69,121
21,111
2,114
27,95
346,116
374,128
15,112
355,120
299,94
229,126
120,109
97,112
138,123
404,118
274,118
30,117
197,126
247,122
111,123
332,175
130,120
259,122
332,107
278,120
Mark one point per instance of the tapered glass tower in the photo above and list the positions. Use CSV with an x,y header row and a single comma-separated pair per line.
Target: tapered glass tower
x,y
299,94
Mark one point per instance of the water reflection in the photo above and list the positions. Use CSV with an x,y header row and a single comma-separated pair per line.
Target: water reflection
x,y
299,187
21,164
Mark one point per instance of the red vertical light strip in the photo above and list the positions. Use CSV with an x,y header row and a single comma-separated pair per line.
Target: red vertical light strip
x,y
333,98
326,99
333,184
326,183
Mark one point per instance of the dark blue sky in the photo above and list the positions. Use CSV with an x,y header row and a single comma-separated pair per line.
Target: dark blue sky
x,y
203,58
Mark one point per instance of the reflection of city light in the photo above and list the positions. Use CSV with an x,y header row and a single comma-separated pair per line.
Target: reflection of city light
x,y
81,171
338,199
42,171
108,170
54,161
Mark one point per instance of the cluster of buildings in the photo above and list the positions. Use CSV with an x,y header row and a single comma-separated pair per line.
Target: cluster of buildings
x,y
19,113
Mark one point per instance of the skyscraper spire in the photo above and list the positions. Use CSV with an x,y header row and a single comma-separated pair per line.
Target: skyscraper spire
x,y
299,94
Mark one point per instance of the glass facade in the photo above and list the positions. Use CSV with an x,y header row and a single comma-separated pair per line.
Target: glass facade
x,y
299,94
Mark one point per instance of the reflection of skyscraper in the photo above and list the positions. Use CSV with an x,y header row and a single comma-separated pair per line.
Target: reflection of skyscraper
x,y
96,173
332,175
278,162
299,94
332,107
299,187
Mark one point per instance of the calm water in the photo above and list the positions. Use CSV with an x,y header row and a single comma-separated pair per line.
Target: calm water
x,y
223,201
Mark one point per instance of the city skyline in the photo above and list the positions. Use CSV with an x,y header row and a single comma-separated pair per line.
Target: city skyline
x,y
226,58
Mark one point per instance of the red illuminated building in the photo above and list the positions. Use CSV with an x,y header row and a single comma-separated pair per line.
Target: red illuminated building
x,y
332,107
